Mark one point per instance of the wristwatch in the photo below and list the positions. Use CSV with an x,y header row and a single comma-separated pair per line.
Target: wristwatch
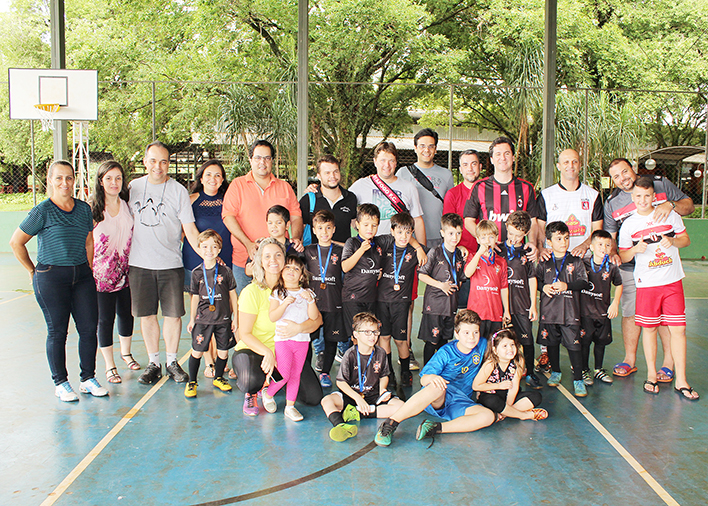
x,y
673,204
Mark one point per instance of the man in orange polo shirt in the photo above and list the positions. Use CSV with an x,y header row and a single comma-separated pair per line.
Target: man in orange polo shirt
x,y
245,205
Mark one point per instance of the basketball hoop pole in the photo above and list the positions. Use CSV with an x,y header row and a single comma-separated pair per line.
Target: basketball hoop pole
x,y
34,175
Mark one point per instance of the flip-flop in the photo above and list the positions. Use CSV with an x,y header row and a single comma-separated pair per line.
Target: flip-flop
x,y
539,414
686,393
653,387
664,375
623,369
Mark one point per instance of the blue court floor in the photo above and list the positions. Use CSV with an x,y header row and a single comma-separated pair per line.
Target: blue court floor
x,y
149,445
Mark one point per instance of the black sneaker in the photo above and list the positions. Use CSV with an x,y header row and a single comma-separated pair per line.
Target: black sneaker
x,y
533,381
407,379
151,374
319,362
176,372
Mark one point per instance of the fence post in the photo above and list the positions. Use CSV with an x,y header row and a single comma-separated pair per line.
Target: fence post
x,y
586,145
705,165
449,150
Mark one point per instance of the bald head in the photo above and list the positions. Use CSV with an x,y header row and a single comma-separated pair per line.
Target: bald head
x,y
569,166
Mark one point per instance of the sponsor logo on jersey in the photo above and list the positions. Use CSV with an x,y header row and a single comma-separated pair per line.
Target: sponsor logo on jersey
x,y
660,260
576,228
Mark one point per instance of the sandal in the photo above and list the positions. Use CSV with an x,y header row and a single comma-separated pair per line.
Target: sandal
x,y
687,393
233,375
623,369
112,376
539,414
132,363
664,375
209,371
651,387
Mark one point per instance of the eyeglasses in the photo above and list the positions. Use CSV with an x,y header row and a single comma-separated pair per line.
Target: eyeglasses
x,y
258,158
369,333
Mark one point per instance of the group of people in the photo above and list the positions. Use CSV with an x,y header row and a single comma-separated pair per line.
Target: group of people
x,y
268,274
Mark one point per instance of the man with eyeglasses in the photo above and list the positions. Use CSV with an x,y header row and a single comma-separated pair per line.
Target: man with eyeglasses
x,y
162,212
246,203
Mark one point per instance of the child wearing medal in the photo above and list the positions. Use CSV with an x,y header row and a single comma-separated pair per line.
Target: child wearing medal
x,y
560,280
443,274
595,324
489,282
214,300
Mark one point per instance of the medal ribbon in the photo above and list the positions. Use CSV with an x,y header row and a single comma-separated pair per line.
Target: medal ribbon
x,y
492,258
397,270
211,292
604,265
511,252
452,264
362,378
558,271
323,271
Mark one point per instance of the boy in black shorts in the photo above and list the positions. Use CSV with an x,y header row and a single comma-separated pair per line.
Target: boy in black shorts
x,y
401,255
560,279
362,382
214,300
324,266
522,288
443,274
595,324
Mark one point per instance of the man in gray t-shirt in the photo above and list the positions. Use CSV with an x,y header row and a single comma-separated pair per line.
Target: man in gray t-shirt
x,y
426,145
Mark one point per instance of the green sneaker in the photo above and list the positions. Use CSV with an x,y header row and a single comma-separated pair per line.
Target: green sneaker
x,y
342,432
351,414
554,380
190,390
385,433
221,384
580,388
427,429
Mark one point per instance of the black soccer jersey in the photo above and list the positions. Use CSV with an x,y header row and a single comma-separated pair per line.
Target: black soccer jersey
x,y
491,200
360,282
597,298
373,368
329,299
519,269
438,268
564,308
407,259
225,282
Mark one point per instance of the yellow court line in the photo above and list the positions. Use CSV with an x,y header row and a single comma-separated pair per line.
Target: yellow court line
x,y
81,467
16,298
660,491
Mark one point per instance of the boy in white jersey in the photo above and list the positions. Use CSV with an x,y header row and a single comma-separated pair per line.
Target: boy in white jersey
x,y
658,273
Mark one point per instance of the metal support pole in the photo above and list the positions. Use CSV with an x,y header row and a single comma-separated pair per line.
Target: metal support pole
x,y
705,166
34,174
58,61
449,151
302,95
154,93
549,93
586,143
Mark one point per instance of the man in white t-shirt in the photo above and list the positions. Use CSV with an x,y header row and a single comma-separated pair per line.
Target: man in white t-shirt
x,y
162,212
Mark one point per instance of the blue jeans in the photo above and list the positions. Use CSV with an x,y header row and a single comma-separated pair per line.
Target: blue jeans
x,y
62,292
242,281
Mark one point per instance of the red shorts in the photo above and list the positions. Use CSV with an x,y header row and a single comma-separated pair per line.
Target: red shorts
x,y
415,285
661,305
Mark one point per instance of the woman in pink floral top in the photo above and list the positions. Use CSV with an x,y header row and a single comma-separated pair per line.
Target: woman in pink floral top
x,y
112,234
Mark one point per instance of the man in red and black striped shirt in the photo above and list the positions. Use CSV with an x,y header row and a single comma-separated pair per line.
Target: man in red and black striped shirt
x,y
495,198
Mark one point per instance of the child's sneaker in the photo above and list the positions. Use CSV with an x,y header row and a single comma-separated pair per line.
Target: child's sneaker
x,y
221,384
533,381
190,389
91,386
325,380
580,390
342,432
601,375
587,378
291,413
250,405
385,433
351,414
319,363
414,365
428,429
407,379
268,402
554,380
65,392
544,363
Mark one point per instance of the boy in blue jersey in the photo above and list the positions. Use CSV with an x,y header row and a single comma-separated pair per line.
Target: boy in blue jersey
x,y
447,387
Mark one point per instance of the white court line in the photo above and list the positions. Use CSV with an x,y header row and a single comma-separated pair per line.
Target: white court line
x,y
81,467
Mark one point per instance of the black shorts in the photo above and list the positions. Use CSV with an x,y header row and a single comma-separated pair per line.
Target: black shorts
x,y
596,331
351,309
332,328
488,327
149,287
394,319
523,328
202,334
435,328
553,334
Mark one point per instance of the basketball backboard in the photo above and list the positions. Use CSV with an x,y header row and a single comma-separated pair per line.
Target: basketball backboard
x,y
76,91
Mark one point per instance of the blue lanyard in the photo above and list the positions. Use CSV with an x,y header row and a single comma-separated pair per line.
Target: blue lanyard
x,y
604,265
210,291
362,378
511,252
452,264
491,260
397,270
362,240
319,257
558,271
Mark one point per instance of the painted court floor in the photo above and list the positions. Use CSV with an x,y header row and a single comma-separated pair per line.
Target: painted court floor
x,y
149,445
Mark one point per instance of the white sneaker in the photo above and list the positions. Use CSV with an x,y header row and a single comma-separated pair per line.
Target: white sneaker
x,y
65,392
268,402
293,414
91,386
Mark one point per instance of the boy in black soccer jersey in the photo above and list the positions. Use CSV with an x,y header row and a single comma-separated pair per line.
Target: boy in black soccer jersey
x,y
560,280
361,264
324,266
522,288
595,324
401,255
443,274
214,300
362,381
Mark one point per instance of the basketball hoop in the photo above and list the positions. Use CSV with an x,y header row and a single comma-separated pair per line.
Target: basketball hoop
x,y
46,115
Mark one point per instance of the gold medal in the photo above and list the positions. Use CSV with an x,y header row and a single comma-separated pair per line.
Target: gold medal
x,y
323,286
212,307
396,287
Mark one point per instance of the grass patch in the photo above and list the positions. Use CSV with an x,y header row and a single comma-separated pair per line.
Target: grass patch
x,y
19,201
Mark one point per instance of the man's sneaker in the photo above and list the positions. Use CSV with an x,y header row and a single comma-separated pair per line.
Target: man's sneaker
x,y
351,414
175,371
554,380
342,432
221,384
533,381
544,363
65,392
406,379
580,389
385,433
292,413
587,378
319,362
190,390
151,374
91,386
325,380
250,405
427,429
268,402
338,356
601,375
414,365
